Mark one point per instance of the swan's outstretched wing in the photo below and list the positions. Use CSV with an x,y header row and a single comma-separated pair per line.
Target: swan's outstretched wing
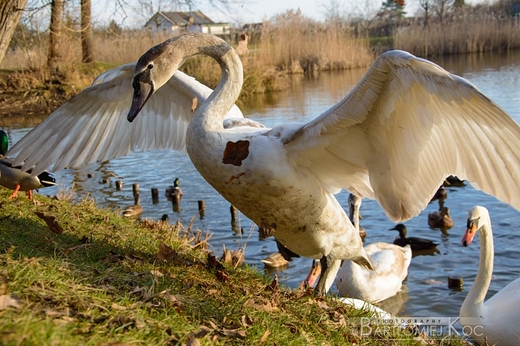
x,y
93,125
406,126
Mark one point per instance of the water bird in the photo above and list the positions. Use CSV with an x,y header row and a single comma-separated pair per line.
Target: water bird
x,y
495,321
390,264
275,260
417,244
440,219
16,179
354,204
135,210
376,142
174,192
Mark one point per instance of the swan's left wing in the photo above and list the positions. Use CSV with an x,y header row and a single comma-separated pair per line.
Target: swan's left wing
x,y
93,125
402,130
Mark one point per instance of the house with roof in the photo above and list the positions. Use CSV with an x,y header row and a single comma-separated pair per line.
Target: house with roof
x,y
173,23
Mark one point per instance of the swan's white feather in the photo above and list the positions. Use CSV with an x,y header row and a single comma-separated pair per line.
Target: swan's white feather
x,y
406,126
93,126
390,264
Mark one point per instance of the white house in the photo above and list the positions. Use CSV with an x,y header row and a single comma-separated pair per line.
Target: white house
x,y
180,22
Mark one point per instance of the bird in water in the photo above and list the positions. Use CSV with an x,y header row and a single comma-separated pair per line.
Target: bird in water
x,y
135,210
174,191
377,142
14,178
493,321
354,204
415,243
440,219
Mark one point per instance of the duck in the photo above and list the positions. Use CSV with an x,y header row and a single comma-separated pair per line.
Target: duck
x,y
14,178
440,219
493,321
174,192
135,210
376,142
275,260
354,204
416,244
390,264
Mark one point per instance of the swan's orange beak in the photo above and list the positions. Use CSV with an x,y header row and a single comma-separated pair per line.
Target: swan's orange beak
x,y
314,274
471,230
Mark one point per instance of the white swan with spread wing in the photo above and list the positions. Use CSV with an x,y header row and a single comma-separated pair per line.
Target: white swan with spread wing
x,y
395,137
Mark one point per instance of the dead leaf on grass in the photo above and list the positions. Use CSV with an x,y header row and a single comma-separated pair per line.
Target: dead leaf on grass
x,y
273,286
264,337
53,225
166,253
118,307
67,252
7,301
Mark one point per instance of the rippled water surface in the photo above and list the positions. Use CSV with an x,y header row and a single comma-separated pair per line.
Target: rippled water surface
x,y
426,292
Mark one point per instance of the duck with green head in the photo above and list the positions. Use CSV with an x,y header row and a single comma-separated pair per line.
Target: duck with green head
x,y
17,180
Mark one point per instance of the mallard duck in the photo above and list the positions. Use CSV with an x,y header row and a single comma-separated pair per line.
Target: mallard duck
x,y
415,243
495,321
354,204
376,142
174,191
441,194
390,264
275,260
16,179
134,210
452,180
440,219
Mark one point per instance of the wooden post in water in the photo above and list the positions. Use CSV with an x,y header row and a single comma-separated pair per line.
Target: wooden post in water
x,y
119,185
234,224
202,209
155,195
135,189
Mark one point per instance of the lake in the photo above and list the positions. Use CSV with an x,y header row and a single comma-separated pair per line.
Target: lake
x,y
425,291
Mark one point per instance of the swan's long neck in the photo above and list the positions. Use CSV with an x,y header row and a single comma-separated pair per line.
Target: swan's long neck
x,y
474,302
211,113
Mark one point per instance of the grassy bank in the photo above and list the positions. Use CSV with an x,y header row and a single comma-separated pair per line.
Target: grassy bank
x,y
73,274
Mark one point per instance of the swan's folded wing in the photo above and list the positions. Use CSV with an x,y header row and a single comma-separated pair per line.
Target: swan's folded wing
x,y
93,125
406,126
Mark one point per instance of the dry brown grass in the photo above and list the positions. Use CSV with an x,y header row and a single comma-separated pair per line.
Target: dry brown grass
x,y
462,34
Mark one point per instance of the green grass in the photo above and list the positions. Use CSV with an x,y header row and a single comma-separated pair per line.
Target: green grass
x,y
107,280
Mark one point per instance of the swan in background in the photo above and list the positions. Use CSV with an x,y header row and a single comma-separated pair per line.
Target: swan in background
x,y
390,264
494,321
354,204
395,137
417,244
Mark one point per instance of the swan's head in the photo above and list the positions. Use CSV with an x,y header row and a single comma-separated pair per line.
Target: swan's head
x,y
152,71
477,217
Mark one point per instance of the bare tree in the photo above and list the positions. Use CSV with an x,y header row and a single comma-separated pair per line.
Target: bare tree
x,y
441,8
54,55
426,5
87,50
10,12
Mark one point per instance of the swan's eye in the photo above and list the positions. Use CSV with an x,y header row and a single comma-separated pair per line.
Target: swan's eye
x,y
150,66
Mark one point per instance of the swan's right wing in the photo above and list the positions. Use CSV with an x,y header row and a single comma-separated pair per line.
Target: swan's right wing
x,y
93,125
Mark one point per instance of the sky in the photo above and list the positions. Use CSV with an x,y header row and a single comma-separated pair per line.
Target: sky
x,y
247,11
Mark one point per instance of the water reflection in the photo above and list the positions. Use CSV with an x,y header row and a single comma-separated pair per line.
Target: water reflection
x,y
427,292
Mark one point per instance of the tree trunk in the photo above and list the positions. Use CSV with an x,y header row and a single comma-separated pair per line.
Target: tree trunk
x,y
87,54
10,13
54,36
